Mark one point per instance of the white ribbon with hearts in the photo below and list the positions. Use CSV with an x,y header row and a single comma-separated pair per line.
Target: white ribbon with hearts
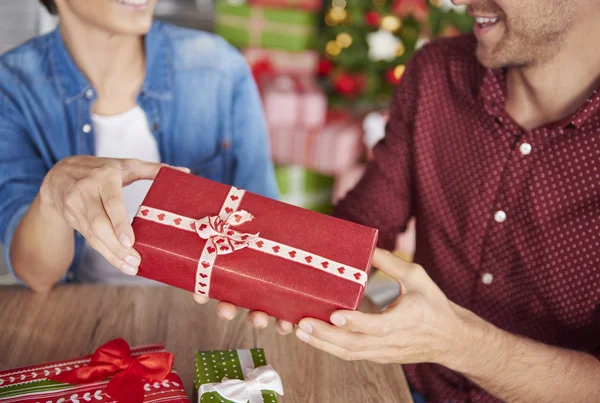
x,y
222,239
248,390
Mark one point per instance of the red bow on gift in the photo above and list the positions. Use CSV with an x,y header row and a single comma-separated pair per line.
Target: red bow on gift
x,y
129,373
261,69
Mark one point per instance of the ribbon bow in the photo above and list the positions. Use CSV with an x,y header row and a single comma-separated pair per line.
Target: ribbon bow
x,y
220,237
240,391
129,373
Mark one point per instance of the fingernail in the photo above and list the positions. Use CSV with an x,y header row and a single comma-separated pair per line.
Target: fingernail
x,y
130,270
225,316
306,327
259,322
338,320
132,260
302,336
125,241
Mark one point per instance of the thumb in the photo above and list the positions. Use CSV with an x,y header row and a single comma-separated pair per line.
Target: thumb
x,y
134,170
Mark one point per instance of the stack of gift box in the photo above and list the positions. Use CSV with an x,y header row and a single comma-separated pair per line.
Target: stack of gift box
x,y
310,144
117,373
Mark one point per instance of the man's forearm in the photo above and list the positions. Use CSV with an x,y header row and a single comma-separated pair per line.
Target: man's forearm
x,y
516,369
43,247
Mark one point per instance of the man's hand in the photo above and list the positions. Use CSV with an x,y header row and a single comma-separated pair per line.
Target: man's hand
x,y
259,320
86,192
422,325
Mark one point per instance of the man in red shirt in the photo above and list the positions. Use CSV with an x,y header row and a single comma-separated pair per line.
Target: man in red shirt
x,y
494,146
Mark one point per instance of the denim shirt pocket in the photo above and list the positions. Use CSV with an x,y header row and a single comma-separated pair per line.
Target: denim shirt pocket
x,y
210,168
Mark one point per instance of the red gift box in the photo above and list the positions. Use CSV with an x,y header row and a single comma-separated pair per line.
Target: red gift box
x,y
254,252
308,5
113,374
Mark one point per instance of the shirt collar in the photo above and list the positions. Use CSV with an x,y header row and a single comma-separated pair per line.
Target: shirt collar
x,y
159,66
493,92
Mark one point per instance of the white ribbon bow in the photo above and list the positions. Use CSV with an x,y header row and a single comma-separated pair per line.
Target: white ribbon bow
x,y
219,233
240,391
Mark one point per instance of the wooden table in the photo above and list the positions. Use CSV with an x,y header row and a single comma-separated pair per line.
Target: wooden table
x,y
75,320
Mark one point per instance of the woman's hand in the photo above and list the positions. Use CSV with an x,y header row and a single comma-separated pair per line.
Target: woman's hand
x,y
87,192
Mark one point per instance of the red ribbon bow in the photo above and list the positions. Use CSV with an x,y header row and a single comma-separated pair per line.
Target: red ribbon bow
x,y
129,373
262,69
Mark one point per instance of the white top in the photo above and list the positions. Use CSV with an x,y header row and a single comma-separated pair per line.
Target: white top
x,y
126,135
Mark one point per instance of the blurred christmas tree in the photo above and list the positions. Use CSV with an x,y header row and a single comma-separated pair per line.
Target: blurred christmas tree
x,y
366,44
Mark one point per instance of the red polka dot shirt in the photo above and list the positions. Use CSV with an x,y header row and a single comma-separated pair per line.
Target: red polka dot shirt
x,y
508,220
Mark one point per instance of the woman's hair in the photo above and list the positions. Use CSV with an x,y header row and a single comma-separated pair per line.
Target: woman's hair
x,y
50,6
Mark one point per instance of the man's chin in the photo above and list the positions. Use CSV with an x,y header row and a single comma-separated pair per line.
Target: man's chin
x,y
489,59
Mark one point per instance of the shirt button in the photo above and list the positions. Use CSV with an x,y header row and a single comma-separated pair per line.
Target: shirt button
x,y
86,128
500,216
525,148
226,145
89,93
487,278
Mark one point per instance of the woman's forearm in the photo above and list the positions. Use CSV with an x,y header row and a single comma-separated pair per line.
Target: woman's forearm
x,y
43,246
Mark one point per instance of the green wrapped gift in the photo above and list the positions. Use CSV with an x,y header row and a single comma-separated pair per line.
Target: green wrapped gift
x,y
251,26
304,188
236,376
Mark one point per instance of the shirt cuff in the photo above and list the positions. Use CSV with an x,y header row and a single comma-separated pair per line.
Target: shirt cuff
x,y
10,233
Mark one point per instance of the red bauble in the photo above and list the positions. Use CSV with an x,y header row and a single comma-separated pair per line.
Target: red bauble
x,y
349,85
345,84
325,67
373,18
391,77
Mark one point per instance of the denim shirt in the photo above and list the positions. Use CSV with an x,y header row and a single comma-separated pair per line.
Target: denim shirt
x,y
199,97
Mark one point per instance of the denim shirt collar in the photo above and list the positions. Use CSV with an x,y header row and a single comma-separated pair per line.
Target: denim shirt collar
x,y
72,84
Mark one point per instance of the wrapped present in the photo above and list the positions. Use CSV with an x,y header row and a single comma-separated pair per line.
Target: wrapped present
x,y
308,5
251,26
257,253
237,376
114,373
293,102
269,62
303,188
330,149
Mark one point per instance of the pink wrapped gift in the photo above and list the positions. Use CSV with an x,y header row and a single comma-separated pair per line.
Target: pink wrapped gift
x,y
308,5
294,101
329,149
279,62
